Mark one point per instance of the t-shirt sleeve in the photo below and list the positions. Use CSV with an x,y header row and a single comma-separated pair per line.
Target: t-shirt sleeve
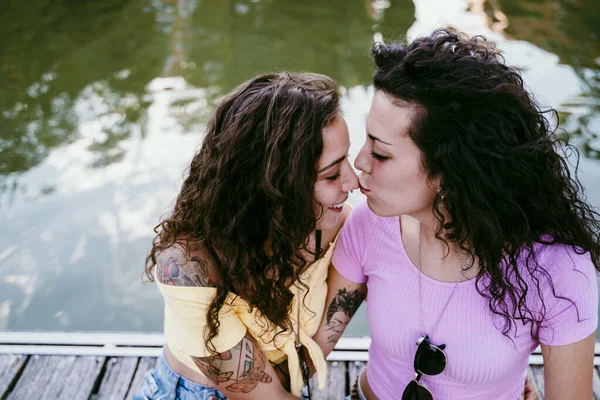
x,y
349,252
571,315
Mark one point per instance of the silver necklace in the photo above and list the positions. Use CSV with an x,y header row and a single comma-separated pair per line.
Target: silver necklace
x,y
460,277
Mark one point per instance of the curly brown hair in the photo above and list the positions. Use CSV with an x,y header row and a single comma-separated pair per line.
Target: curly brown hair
x,y
251,182
504,173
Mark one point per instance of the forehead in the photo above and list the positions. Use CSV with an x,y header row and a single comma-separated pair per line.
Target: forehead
x,y
335,135
388,121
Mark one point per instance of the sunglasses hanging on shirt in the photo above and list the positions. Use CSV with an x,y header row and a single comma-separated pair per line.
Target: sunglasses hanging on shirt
x,y
429,359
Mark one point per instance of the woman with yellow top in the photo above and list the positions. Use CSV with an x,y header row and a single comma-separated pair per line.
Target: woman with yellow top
x,y
242,260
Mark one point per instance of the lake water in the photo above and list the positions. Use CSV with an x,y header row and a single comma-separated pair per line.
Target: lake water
x,y
103,104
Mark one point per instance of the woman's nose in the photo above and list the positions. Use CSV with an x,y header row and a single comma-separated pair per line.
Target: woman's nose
x,y
361,161
350,180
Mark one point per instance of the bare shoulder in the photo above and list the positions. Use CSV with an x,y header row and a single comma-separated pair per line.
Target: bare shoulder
x,y
176,268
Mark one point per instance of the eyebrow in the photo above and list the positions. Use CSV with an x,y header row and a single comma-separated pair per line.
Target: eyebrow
x,y
375,138
339,160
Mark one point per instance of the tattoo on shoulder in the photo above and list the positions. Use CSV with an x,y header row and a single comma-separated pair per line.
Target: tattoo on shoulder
x,y
172,268
243,366
346,302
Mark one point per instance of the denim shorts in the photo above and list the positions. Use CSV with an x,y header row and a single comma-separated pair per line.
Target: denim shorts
x,y
162,383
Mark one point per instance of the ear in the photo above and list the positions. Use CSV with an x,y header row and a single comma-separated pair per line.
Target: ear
x,y
435,182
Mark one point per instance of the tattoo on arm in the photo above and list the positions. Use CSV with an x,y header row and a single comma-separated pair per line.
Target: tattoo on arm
x,y
347,303
243,366
172,268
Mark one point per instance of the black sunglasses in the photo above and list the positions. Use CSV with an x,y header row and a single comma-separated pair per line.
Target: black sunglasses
x,y
304,370
429,360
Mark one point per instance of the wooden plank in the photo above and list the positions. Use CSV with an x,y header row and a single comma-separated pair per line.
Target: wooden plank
x,y
40,373
117,378
79,383
83,338
336,380
355,368
10,367
38,376
596,384
335,387
144,364
537,377
53,350
58,377
314,386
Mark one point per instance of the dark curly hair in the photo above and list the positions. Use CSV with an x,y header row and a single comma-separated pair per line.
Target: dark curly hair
x,y
251,182
505,181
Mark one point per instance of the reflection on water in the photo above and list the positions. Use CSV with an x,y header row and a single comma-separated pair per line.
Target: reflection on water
x,y
105,102
571,30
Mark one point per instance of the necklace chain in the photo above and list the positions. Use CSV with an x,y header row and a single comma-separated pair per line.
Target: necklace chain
x,y
460,277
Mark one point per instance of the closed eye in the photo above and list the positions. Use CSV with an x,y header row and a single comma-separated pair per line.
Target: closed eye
x,y
334,177
378,156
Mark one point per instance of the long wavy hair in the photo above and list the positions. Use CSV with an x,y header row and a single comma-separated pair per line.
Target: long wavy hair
x,y
248,197
505,181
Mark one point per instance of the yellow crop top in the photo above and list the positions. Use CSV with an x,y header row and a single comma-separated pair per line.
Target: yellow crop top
x,y
185,320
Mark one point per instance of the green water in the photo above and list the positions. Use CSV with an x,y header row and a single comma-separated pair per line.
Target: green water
x,y
103,104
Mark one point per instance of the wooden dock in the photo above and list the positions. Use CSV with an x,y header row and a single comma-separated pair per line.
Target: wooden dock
x,y
84,366
98,377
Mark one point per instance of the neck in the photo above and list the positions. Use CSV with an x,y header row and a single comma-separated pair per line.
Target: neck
x,y
433,243
439,255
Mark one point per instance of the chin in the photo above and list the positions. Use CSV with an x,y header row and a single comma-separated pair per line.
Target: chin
x,y
381,211
328,221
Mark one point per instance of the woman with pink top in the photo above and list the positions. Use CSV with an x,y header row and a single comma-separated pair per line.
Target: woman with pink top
x,y
475,244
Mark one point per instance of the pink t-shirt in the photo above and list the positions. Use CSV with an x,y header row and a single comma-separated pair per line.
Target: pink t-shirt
x,y
482,363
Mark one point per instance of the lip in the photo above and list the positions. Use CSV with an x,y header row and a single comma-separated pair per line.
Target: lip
x,y
336,210
363,190
339,209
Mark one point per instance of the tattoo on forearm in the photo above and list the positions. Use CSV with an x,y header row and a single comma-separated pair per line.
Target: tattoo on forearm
x,y
245,367
175,270
347,303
